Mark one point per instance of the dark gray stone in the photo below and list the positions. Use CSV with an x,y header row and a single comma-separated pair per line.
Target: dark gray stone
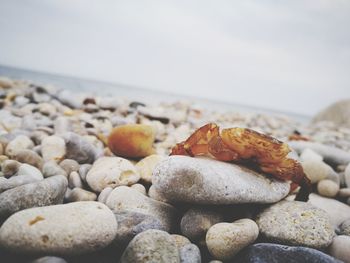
x,y
78,148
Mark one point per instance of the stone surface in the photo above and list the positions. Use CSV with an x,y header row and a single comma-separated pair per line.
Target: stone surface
x,y
330,154
21,142
132,223
125,198
78,194
310,155
340,248
51,168
49,260
318,170
53,148
30,157
327,188
207,181
151,246
58,229
112,172
190,254
74,180
78,148
147,165
344,228
268,253
296,223
347,175
10,167
337,211
225,240
180,241
140,188
43,193
69,165
196,222
102,197
132,140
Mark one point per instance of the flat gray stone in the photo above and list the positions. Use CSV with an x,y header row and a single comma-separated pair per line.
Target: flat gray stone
x,y
296,223
43,193
67,229
208,181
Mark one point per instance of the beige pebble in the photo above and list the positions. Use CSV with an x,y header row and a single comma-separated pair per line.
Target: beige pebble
x,y
344,192
146,166
78,194
140,188
180,240
340,248
327,188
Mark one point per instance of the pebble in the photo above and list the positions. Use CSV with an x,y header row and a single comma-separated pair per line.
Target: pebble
x,y
10,167
340,248
344,228
310,155
318,170
151,246
344,192
78,148
132,223
132,140
53,148
125,198
180,241
49,259
225,240
21,142
43,193
296,223
347,175
74,180
78,194
69,165
140,188
196,222
58,229
51,168
190,254
113,172
208,181
154,194
268,253
330,154
102,197
327,188
83,170
147,165
337,211
30,171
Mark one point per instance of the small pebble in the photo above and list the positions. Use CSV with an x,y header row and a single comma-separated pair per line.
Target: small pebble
x,y
75,181
21,142
69,165
146,166
344,192
140,188
78,194
102,197
51,168
344,228
340,248
180,241
190,254
10,167
53,148
30,157
327,188
79,149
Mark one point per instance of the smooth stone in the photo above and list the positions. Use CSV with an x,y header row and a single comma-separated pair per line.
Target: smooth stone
x,y
196,222
347,175
154,194
344,192
67,229
310,155
208,181
140,188
49,259
147,165
113,172
53,148
69,165
340,248
79,149
132,223
330,154
125,198
10,167
180,241
62,125
51,168
30,157
102,197
43,193
154,246
132,140
29,170
83,170
296,223
318,170
327,188
21,142
225,240
344,228
268,253
78,194
338,113
74,180
190,254
337,211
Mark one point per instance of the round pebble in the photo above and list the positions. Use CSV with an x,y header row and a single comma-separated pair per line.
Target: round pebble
x,y
53,148
340,248
78,194
146,166
327,188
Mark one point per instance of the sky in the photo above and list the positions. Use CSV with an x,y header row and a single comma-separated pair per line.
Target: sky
x,y
291,56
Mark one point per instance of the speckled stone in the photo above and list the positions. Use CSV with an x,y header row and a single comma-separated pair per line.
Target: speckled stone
x,y
208,181
58,229
296,223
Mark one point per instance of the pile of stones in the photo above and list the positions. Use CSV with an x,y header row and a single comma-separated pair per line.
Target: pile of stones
x,y
89,179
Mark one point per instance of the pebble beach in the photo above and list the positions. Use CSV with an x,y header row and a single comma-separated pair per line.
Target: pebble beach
x,y
89,179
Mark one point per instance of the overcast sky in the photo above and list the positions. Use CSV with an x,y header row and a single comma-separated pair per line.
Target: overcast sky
x,y
285,55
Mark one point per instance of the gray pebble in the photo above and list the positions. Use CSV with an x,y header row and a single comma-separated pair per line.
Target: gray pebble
x,y
344,228
51,168
83,170
190,254
79,149
21,142
78,194
74,180
102,197
69,165
49,259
